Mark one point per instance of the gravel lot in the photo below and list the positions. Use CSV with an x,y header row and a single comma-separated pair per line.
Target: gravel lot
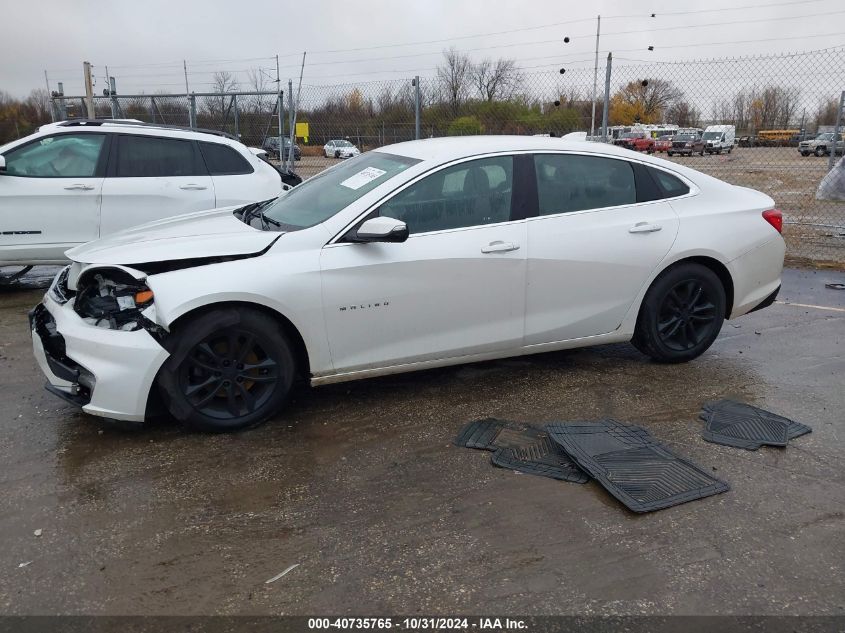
x,y
358,484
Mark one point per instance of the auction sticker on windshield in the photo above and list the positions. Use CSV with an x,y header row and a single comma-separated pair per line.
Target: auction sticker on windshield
x,y
363,177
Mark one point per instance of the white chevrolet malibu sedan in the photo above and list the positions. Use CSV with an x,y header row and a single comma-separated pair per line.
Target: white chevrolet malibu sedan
x,y
418,255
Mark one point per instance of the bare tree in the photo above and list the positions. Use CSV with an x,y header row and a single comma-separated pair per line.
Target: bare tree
x,y
826,112
683,113
495,80
454,77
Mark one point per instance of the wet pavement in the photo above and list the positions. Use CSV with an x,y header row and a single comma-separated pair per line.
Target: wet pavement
x,y
358,484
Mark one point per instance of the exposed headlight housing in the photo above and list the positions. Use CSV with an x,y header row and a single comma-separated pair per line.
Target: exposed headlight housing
x,y
113,299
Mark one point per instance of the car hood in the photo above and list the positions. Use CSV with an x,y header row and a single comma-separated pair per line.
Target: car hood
x,y
214,233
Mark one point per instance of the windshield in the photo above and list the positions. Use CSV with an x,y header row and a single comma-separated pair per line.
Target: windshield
x,y
342,144
825,137
711,135
685,137
319,198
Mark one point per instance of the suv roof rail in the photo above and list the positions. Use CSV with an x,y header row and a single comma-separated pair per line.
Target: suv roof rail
x,y
137,123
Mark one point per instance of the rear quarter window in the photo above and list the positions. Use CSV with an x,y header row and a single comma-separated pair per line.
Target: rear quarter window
x,y
223,160
670,186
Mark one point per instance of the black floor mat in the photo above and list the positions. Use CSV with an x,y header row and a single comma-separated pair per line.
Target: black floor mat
x,y
544,458
520,447
491,434
742,425
633,466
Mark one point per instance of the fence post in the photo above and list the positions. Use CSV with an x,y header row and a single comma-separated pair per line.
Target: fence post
x,y
112,97
836,130
417,107
193,111
237,119
153,108
606,98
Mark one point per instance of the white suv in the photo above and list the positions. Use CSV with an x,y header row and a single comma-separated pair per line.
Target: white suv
x,y
75,181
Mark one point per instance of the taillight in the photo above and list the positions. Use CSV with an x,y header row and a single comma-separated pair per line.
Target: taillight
x,y
775,218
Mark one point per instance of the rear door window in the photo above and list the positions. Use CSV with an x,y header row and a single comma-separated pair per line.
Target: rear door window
x,y
574,182
150,156
223,160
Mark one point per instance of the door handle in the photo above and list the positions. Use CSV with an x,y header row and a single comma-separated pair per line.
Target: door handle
x,y
192,187
79,187
499,247
644,227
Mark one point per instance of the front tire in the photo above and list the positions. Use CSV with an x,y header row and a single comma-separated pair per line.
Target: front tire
x,y
681,314
820,151
229,369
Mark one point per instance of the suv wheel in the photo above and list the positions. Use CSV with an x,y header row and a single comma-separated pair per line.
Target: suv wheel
x,y
681,314
228,369
820,151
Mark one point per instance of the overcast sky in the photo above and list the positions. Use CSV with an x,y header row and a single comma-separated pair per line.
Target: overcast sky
x,y
143,43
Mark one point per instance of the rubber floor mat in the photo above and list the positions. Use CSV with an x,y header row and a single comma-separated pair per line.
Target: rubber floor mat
x,y
633,466
491,434
741,425
544,458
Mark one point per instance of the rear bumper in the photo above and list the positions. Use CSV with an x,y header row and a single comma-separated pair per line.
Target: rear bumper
x,y
107,372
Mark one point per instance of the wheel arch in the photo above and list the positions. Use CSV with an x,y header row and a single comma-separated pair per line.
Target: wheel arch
x,y
300,349
717,267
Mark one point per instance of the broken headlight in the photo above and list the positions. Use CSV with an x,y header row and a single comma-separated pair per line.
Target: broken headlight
x,y
59,291
115,300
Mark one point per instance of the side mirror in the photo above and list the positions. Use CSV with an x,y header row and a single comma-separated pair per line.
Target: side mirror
x,y
382,229
2,164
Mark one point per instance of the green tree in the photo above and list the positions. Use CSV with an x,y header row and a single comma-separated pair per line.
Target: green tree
x,y
465,126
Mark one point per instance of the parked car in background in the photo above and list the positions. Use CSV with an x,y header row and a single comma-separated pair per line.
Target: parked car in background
x,y
686,145
748,140
418,255
271,146
664,143
642,144
821,145
340,148
75,181
719,138
627,139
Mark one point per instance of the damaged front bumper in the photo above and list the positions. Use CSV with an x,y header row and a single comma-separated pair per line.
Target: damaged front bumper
x,y
107,372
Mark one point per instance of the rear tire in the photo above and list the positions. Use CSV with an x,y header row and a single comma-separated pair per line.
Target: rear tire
x,y
229,369
681,314
820,151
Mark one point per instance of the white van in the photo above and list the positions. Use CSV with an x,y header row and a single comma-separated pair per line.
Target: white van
x,y
719,138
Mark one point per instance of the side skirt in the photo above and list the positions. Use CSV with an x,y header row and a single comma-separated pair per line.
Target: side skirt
x,y
616,336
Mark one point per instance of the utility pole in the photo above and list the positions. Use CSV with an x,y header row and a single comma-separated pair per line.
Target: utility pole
x,y
52,103
188,95
606,98
89,89
595,78
281,107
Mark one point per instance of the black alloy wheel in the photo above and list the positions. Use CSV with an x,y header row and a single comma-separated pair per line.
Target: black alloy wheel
x,y
686,316
229,369
681,314
228,375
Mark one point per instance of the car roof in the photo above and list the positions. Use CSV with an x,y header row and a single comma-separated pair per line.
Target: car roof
x,y
449,148
134,126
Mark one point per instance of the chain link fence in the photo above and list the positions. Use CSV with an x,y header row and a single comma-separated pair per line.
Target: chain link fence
x,y
775,103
